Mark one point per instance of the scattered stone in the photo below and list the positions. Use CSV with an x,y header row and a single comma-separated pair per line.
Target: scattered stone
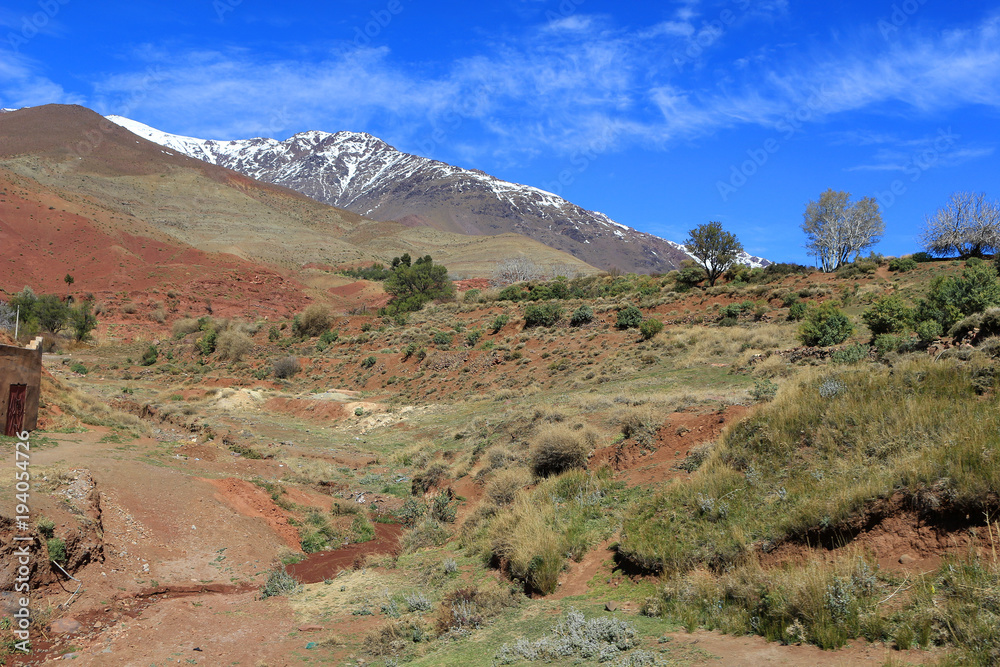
x,y
611,606
907,559
64,626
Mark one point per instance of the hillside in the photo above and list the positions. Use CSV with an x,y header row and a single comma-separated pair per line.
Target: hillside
x,y
362,173
78,156
470,485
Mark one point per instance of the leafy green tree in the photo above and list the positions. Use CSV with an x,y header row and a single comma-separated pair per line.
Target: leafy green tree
x,y
413,286
51,312
714,248
82,321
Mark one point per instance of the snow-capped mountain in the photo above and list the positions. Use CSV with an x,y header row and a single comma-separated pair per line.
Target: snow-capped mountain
x,y
363,174
746,258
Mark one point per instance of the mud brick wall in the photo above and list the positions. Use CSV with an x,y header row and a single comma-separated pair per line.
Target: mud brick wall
x,y
20,366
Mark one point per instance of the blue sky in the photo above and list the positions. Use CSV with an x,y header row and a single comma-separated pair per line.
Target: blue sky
x,y
663,115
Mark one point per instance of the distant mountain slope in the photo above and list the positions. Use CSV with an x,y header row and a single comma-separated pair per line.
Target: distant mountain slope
x,y
78,156
363,174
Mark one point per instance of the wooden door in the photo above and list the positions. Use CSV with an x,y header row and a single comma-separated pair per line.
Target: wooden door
x,y
15,409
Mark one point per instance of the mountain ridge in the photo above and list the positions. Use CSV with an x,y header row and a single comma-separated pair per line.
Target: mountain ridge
x,y
361,173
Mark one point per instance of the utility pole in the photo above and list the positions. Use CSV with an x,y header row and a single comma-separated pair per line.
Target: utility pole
x,y
17,320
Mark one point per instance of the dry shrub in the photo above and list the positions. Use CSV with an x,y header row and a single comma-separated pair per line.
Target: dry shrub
x,y
522,541
286,367
423,481
503,488
501,456
468,607
772,367
185,326
158,316
233,345
558,448
392,637
427,533
315,320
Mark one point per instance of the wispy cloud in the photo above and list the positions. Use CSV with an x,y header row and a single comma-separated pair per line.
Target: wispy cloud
x,y
550,88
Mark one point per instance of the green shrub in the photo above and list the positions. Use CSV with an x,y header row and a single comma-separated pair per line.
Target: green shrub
x,y
368,362
797,311
629,317
929,331
150,356
206,344
902,264
582,315
362,529
273,334
471,296
825,326
499,322
473,336
650,328
410,350
890,342
952,298
542,315
329,337
77,367
57,549
442,339
851,354
888,315
921,257
763,391
443,509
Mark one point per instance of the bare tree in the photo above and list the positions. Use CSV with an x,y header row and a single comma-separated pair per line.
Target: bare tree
x,y
837,228
8,316
969,225
515,270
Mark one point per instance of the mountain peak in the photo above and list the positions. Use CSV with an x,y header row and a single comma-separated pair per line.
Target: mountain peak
x,y
362,173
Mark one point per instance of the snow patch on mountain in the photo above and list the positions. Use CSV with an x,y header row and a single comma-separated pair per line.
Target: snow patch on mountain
x,y
362,173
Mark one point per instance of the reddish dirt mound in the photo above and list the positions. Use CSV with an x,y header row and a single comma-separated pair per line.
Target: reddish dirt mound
x,y
306,408
898,538
253,501
326,564
682,431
